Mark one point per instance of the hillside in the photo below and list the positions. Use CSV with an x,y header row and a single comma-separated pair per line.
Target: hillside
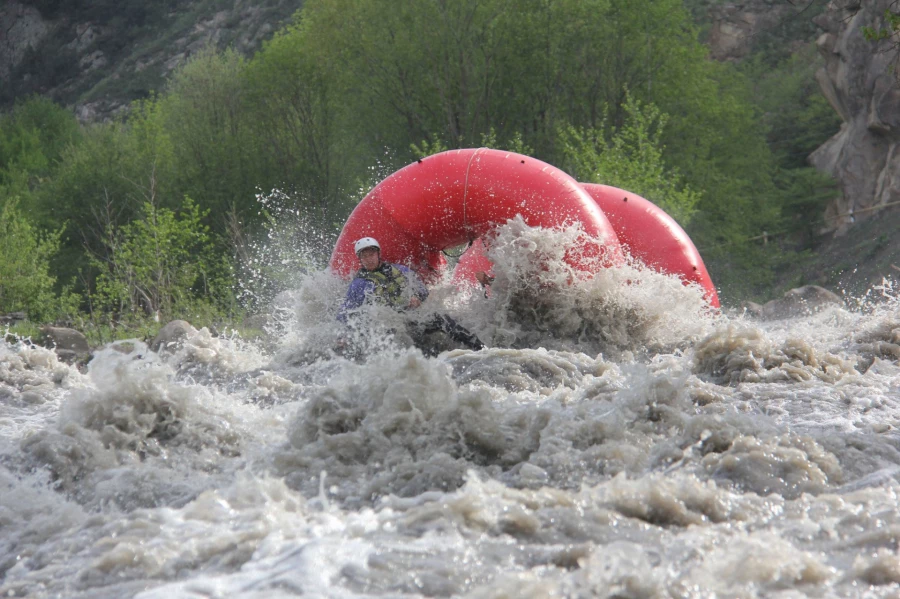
x,y
98,56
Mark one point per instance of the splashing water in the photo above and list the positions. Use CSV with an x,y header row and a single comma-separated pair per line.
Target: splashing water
x,y
617,439
295,244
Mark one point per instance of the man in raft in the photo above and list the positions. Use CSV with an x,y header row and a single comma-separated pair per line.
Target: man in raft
x,y
397,287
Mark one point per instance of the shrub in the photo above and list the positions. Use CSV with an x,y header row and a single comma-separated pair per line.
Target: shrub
x,y
631,158
162,264
25,281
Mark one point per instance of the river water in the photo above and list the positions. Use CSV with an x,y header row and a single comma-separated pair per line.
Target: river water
x,y
616,439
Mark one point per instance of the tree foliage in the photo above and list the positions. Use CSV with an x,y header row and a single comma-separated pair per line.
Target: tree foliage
x,y
631,157
103,181
162,263
411,70
203,113
294,124
32,138
26,282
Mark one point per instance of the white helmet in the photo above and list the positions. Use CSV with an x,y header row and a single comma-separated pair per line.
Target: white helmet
x,y
365,242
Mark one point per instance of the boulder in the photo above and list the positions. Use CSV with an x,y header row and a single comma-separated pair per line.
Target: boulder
x,y
171,336
13,317
801,301
70,345
736,26
751,309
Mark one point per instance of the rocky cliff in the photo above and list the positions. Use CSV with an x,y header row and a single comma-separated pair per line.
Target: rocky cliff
x,y
860,81
737,27
859,78
98,56
22,29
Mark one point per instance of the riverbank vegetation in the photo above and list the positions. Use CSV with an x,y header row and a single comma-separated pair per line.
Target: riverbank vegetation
x,y
158,215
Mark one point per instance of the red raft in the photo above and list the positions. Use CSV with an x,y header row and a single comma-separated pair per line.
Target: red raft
x,y
456,197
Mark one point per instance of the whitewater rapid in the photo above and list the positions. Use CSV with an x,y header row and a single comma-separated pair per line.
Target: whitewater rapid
x,y
616,439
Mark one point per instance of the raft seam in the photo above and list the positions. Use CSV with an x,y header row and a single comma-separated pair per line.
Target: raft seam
x,y
466,194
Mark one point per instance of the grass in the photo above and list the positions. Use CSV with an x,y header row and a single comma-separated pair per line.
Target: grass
x,y
101,334
22,330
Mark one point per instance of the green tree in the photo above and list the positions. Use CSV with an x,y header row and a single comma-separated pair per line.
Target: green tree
x,y
797,119
162,264
631,158
204,116
102,182
32,138
408,71
293,111
796,116
26,283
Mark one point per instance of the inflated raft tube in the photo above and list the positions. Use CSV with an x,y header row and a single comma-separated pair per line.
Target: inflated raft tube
x,y
455,197
653,237
643,229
